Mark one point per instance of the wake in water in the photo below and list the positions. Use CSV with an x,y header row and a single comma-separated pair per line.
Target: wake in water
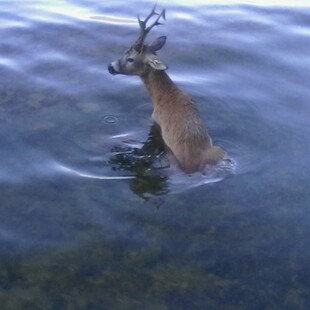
x,y
155,180
180,181
145,165
76,173
152,171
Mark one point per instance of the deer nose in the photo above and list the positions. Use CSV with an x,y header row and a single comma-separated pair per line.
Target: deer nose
x,y
111,69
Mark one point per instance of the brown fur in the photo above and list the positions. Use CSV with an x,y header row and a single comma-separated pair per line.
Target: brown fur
x,y
181,127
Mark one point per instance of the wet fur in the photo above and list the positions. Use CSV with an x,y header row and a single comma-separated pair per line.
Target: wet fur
x,y
181,126
174,111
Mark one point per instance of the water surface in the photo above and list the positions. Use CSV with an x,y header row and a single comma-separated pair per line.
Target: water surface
x,y
86,223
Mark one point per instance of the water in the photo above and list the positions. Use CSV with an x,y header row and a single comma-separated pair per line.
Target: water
x,y
86,223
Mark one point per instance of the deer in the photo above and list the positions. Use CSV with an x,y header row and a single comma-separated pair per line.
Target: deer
x,y
182,130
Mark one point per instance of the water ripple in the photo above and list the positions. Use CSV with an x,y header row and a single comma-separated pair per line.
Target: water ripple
x,y
62,169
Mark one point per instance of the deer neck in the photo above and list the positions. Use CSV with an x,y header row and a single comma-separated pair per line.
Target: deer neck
x,y
158,85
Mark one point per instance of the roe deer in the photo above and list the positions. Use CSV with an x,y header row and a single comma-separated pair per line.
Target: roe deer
x,y
174,111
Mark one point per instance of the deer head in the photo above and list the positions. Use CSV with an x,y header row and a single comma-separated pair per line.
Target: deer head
x,y
141,57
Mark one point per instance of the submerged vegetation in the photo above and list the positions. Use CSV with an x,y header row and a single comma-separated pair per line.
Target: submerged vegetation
x,y
157,264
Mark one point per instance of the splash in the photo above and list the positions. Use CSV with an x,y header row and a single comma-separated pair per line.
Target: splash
x,y
180,181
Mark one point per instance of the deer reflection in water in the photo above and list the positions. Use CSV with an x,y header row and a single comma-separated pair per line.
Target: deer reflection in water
x,y
146,163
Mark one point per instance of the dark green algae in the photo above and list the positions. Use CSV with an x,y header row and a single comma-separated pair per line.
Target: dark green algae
x,y
150,263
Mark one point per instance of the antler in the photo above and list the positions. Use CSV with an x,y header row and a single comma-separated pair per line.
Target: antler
x,y
138,45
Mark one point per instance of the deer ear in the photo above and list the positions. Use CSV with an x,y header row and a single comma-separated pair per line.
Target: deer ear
x,y
158,43
156,63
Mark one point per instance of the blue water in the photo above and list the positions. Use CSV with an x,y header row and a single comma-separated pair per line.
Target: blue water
x,y
87,221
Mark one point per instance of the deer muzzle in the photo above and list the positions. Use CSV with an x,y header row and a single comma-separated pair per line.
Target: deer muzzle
x,y
111,69
114,67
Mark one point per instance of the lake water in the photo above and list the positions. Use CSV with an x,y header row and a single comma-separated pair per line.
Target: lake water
x,y
87,221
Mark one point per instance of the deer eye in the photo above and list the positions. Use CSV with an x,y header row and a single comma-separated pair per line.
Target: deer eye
x,y
130,60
